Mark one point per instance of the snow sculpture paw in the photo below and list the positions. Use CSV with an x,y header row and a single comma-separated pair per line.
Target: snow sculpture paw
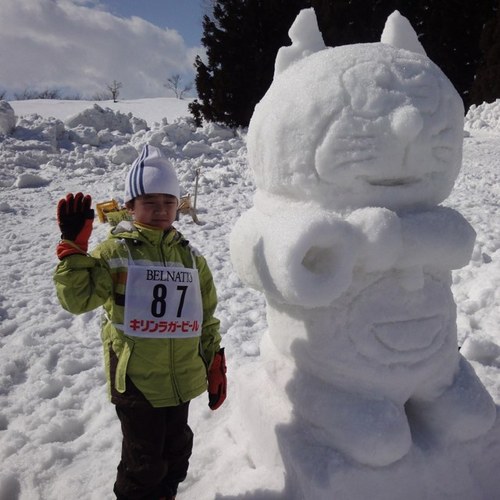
x,y
299,258
462,412
371,431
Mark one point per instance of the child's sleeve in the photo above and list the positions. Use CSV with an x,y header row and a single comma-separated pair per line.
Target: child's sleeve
x,y
83,283
210,335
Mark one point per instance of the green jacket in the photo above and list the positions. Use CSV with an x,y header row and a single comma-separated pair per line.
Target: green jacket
x,y
165,371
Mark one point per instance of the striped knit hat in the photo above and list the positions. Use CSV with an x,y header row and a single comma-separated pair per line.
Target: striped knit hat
x,y
151,173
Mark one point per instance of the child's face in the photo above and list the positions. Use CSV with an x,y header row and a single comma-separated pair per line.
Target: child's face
x,y
157,210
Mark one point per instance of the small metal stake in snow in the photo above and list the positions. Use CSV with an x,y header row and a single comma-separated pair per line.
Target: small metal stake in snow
x,y
197,175
185,205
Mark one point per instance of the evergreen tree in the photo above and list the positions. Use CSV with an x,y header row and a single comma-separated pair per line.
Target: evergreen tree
x,y
486,86
242,38
451,34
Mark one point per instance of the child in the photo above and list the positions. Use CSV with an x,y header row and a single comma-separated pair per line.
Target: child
x,y
160,337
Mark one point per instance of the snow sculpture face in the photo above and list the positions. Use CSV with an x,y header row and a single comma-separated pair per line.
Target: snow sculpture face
x,y
358,125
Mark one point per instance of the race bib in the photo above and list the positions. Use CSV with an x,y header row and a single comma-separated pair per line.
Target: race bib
x,y
163,302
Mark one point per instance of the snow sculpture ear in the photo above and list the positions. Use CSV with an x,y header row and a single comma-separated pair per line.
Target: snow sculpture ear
x,y
306,39
399,33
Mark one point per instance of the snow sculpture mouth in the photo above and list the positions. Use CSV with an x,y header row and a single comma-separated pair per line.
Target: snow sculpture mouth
x,y
408,335
396,182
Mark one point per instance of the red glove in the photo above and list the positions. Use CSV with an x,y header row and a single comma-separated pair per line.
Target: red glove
x,y
75,218
217,382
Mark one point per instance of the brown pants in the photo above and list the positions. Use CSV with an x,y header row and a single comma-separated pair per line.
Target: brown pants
x,y
157,444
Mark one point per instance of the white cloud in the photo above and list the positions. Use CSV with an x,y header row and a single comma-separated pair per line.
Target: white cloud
x,y
67,45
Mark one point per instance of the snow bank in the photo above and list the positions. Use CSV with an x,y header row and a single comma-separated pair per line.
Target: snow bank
x,y
485,117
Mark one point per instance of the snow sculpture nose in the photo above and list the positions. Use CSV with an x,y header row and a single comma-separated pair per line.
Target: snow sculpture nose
x,y
406,123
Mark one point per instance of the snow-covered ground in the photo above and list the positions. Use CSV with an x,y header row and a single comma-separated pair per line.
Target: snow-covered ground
x,y
59,436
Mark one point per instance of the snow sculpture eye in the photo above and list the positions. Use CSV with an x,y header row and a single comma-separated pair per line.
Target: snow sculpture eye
x,y
370,86
375,87
420,85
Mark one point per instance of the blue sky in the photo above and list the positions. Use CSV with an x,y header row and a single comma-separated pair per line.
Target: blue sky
x,y
183,15
80,47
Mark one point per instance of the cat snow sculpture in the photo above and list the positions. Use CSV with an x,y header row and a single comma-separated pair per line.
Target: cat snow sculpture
x,y
353,148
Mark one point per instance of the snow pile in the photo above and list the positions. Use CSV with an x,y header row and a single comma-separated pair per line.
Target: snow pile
x,y
39,147
106,119
7,118
484,117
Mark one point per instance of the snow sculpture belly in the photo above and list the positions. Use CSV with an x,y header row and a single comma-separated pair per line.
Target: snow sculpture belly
x,y
353,148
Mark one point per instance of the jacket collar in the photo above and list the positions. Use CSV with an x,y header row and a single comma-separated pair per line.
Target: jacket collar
x,y
142,232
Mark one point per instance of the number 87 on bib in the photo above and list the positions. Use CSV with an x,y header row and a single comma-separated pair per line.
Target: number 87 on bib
x,y
163,302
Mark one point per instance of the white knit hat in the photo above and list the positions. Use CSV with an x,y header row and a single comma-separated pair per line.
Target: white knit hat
x,y
151,173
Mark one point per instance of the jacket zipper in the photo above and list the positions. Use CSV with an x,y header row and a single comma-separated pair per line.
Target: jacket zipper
x,y
170,341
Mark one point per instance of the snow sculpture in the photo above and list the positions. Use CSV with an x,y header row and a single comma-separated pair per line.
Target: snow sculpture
x,y
353,148
7,118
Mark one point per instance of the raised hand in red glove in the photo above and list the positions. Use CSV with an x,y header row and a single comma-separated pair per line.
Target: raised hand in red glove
x,y
217,382
75,218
